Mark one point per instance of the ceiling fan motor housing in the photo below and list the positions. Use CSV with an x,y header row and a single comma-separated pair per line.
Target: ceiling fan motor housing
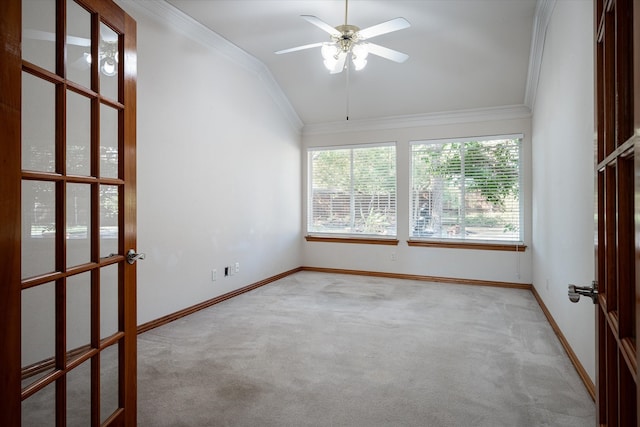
x,y
348,36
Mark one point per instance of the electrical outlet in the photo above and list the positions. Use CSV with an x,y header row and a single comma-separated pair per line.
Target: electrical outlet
x,y
237,267
214,275
394,256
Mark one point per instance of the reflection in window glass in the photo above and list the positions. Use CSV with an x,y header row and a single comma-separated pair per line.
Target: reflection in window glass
x,y
39,33
109,62
78,134
38,228
108,142
78,224
38,333
78,44
38,124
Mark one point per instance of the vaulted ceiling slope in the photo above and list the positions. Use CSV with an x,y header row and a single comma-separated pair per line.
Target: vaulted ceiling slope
x,y
464,55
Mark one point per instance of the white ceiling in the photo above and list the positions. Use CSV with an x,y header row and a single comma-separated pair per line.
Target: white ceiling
x,y
463,54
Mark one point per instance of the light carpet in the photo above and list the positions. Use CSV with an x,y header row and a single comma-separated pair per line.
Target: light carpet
x,y
317,349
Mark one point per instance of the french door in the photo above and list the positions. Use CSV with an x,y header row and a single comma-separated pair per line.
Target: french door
x,y
617,87
67,212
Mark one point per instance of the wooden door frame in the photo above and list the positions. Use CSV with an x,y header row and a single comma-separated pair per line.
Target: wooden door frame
x,y
10,189
617,188
10,210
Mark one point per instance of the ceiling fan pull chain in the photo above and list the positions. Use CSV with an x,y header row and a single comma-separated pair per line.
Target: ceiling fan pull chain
x,y
347,91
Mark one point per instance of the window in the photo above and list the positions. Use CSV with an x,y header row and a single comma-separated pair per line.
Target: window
x,y
466,189
352,190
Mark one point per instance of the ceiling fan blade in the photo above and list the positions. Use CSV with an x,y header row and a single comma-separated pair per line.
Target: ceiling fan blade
x,y
384,28
297,48
38,35
51,37
78,41
342,58
386,53
321,24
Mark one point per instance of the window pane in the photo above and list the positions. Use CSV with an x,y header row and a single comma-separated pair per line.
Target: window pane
x,y
353,191
39,33
467,190
109,57
78,134
38,124
38,332
38,228
40,409
108,300
109,384
79,395
78,303
108,142
108,220
78,44
78,232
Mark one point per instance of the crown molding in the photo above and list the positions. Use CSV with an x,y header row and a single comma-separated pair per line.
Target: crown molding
x,y
162,11
509,112
544,10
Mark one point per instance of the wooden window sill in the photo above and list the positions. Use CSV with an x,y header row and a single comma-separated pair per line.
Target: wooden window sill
x,y
357,240
511,247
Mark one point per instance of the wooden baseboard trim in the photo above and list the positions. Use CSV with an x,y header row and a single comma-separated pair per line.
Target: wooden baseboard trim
x,y
451,280
584,376
205,304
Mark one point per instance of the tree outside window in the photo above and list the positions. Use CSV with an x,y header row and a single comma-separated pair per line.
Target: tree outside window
x,y
353,191
466,190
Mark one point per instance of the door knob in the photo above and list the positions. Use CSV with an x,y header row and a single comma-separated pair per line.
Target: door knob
x,y
576,291
132,256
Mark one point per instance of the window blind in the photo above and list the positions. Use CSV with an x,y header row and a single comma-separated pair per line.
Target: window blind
x,y
352,191
466,190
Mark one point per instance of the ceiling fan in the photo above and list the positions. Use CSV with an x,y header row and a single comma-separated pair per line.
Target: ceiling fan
x,y
350,41
107,52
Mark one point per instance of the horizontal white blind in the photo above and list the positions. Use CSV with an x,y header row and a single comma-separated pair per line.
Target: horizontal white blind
x,y
466,190
352,191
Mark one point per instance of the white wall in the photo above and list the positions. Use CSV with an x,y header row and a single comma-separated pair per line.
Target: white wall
x,y
218,172
449,263
563,159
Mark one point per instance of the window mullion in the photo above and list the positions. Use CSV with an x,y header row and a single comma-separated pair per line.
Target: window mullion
x,y
463,187
352,199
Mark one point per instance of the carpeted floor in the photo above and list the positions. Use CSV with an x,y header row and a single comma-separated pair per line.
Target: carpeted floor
x,y
317,349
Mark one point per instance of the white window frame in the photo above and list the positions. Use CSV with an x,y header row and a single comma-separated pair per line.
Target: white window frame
x,y
518,242
391,236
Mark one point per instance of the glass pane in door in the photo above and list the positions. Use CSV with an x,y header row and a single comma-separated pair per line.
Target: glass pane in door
x,y
38,328
39,33
78,224
78,134
39,410
79,396
108,142
78,314
108,220
38,228
109,62
109,388
108,301
78,44
38,124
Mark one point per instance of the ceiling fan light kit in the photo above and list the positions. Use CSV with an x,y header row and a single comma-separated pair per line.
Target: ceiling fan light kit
x,y
348,42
